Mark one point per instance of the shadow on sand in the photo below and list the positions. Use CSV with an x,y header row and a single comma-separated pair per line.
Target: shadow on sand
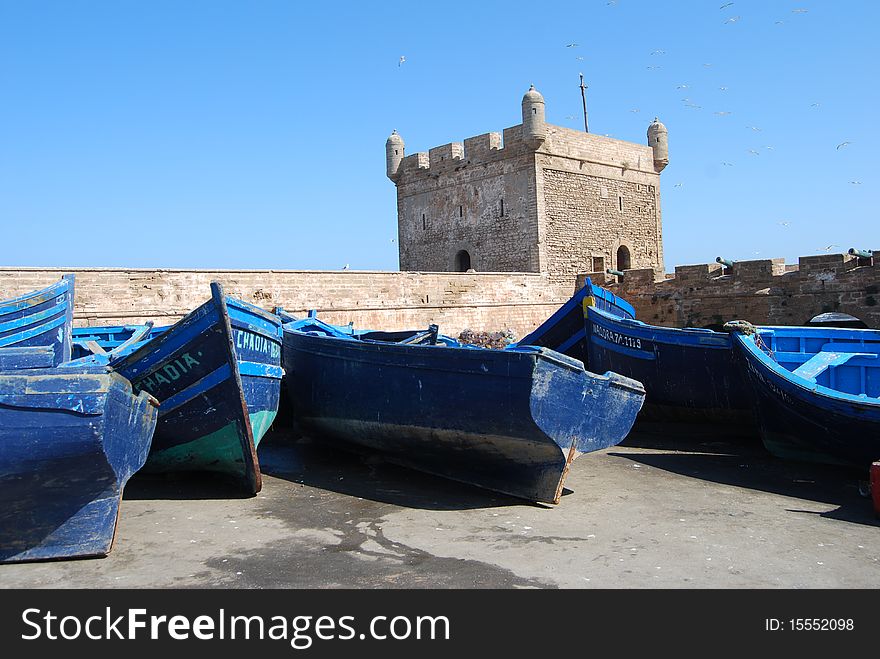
x,y
735,457
328,467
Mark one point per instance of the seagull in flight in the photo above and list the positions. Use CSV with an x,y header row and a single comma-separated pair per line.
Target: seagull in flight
x,y
725,6
733,19
727,164
724,89
634,110
678,185
784,223
754,128
799,11
723,113
754,153
843,144
856,182
659,52
828,248
402,60
650,68
815,105
571,45
682,87
345,267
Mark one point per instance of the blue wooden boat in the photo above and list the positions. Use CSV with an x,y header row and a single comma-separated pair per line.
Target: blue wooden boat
x,y
688,374
98,340
565,332
217,375
816,391
38,319
69,440
510,420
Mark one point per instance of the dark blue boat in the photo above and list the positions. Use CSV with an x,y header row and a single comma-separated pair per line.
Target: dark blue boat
x,y
39,319
69,440
217,375
564,331
816,391
688,374
507,420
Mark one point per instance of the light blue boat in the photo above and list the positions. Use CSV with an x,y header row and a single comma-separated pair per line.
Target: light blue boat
x,y
816,391
35,321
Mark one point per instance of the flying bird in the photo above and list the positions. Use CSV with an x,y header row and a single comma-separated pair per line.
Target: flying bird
x,y
723,113
784,223
659,52
724,6
634,110
799,11
754,153
843,144
733,19
571,45
828,248
707,65
678,185
727,164
724,89
682,87
770,148
754,128
402,60
652,67
693,106
856,182
579,57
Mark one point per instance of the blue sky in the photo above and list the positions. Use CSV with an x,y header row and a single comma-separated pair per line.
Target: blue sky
x,y
220,134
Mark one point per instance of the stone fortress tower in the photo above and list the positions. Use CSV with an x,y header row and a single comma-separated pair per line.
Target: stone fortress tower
x,y
539,198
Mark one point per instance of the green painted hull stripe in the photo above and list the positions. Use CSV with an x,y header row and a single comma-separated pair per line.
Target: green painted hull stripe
x,y
218,451
260,424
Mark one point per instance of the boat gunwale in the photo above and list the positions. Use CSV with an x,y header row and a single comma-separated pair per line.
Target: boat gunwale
x,y
805,386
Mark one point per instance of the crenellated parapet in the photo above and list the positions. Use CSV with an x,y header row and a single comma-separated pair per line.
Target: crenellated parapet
x,y
763,291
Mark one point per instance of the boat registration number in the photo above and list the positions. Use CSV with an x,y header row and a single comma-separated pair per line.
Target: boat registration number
x,y
616,337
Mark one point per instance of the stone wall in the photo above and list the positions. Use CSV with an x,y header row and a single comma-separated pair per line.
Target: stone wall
x,y
477,197
381,300
766,292
547,207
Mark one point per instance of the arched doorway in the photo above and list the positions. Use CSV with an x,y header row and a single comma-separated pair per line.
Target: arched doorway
x,y
623,259
462,261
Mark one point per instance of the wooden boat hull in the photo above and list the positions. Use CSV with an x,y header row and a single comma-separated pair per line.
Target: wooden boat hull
x,y
565,330
39,319
193,369
509,421
69,441
800,420
688,374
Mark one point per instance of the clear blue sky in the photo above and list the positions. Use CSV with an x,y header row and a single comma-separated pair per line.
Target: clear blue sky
x,y
222,134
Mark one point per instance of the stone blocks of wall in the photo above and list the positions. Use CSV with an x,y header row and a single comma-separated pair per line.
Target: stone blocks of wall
x,y
764,292
380,300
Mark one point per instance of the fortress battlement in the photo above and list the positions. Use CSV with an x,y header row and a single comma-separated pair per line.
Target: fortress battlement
x,y
764,291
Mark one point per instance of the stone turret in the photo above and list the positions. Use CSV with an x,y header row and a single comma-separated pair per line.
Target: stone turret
x,y
393,155
658,141
534,130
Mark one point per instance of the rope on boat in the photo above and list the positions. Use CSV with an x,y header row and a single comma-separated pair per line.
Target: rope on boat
x,y
747,329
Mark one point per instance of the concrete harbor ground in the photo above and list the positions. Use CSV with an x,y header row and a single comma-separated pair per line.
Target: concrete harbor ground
x,y
673,507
